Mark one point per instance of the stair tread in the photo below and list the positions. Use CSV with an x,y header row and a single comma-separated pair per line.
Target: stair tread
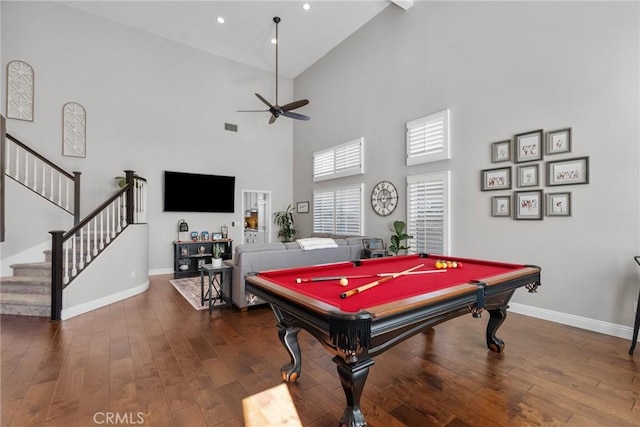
x,y
43,264
26,279
34,299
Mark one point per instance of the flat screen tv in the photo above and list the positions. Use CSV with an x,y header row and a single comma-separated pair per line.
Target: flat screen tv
x,y
192,192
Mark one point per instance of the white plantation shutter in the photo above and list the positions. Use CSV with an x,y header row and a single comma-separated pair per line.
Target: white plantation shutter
x,y
427,138
338,210
428,213
323,212
339,161
323,164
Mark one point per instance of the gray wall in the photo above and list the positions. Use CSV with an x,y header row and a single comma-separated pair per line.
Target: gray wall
x,y
152,105
502,68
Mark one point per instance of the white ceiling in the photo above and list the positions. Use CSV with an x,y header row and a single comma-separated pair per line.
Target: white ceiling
x,y
305,35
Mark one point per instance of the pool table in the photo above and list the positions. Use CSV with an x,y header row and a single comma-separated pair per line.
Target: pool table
x,y
356,326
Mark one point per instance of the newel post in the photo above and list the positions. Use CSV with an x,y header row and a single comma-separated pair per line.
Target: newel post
x,y
76,197
56,274
130,177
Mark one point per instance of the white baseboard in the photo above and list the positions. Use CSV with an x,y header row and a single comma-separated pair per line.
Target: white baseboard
x,y
159,271
70,312
593,325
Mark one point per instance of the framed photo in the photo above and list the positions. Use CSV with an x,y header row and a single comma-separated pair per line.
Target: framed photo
x,y
501,151
528,146
501,206
528,175
568,172
558,141
558,204
302,207
184,251
528,204
204,235
216,236
496,179
194,236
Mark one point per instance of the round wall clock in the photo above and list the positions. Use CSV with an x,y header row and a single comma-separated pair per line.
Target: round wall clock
x,y
384,198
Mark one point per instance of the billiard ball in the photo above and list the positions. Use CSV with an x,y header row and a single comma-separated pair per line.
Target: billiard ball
x,y
344,281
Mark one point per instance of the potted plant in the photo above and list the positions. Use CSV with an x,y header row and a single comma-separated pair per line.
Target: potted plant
x,y
400,236
285,220
216,255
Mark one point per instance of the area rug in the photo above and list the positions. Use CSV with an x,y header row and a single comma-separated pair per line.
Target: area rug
x,y
189,288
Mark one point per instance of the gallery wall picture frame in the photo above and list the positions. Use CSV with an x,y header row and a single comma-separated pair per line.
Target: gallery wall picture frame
x,y
501,206
501,151
527,205
527,175
302,207
568,171
527,146
558,141
216,236
496,179
558,204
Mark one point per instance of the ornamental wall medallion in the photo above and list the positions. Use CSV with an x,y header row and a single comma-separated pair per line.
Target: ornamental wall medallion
x,y
74,130
20,91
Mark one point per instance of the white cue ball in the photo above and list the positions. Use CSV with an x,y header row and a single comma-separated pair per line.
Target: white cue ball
x,y
344,281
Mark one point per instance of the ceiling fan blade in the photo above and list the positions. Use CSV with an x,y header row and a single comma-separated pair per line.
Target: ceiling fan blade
x,y
272,119
295,104
264,100
295,115
252,111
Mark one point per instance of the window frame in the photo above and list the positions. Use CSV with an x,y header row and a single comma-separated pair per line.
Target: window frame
x,y
332,157
436,148
335,227
415,244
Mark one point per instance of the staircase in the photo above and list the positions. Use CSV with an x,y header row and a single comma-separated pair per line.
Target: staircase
x,y
28,291
36,288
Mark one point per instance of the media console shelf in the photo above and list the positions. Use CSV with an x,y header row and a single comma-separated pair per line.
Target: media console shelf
x,y
188,255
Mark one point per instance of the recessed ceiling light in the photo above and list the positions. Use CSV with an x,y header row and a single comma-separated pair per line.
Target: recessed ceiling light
x,y
306,6
220,20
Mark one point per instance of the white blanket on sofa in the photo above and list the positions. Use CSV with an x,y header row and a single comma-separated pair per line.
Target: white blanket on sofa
x,y
316,243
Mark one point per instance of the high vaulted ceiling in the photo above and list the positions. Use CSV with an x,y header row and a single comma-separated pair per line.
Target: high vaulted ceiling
x,y
305,35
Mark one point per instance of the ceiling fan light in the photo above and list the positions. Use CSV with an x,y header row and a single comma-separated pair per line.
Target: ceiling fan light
x,y
306,6
220,20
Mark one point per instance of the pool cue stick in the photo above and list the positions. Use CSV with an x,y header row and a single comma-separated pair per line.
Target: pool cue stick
x,y
360,276
378,282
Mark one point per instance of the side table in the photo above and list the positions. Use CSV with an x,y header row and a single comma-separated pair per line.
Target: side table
x,y
218,279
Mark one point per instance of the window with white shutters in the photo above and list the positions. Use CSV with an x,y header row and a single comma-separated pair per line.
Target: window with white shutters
x,y
339,161
428,213
338,210
428,138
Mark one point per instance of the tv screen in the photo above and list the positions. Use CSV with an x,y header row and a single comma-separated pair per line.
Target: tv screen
x,y
192,192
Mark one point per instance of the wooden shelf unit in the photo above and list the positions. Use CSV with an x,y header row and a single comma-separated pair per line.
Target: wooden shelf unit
x,y
195,253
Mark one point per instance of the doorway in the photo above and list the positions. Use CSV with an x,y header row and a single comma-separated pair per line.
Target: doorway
x,y
256,209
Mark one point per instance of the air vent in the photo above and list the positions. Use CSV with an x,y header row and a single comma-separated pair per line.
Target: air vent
x,y
230,127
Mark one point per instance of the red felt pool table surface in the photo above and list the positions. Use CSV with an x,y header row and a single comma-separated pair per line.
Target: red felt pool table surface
x,y
437,285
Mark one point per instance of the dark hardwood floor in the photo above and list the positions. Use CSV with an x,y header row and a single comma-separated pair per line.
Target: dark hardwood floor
x,y
155,361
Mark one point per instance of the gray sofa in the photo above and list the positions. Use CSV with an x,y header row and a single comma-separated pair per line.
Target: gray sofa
x,y
271,256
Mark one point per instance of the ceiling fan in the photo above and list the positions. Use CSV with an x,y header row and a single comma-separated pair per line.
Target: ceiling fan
x,y
275,109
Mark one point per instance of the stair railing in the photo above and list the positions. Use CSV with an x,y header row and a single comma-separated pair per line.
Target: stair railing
x,y
73,250
43,177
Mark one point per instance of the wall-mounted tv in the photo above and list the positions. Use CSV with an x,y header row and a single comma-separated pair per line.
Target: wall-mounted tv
x,y
192,192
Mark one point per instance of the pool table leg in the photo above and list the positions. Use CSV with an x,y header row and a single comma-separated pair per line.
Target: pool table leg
x,y
497,317
353,377
289,338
